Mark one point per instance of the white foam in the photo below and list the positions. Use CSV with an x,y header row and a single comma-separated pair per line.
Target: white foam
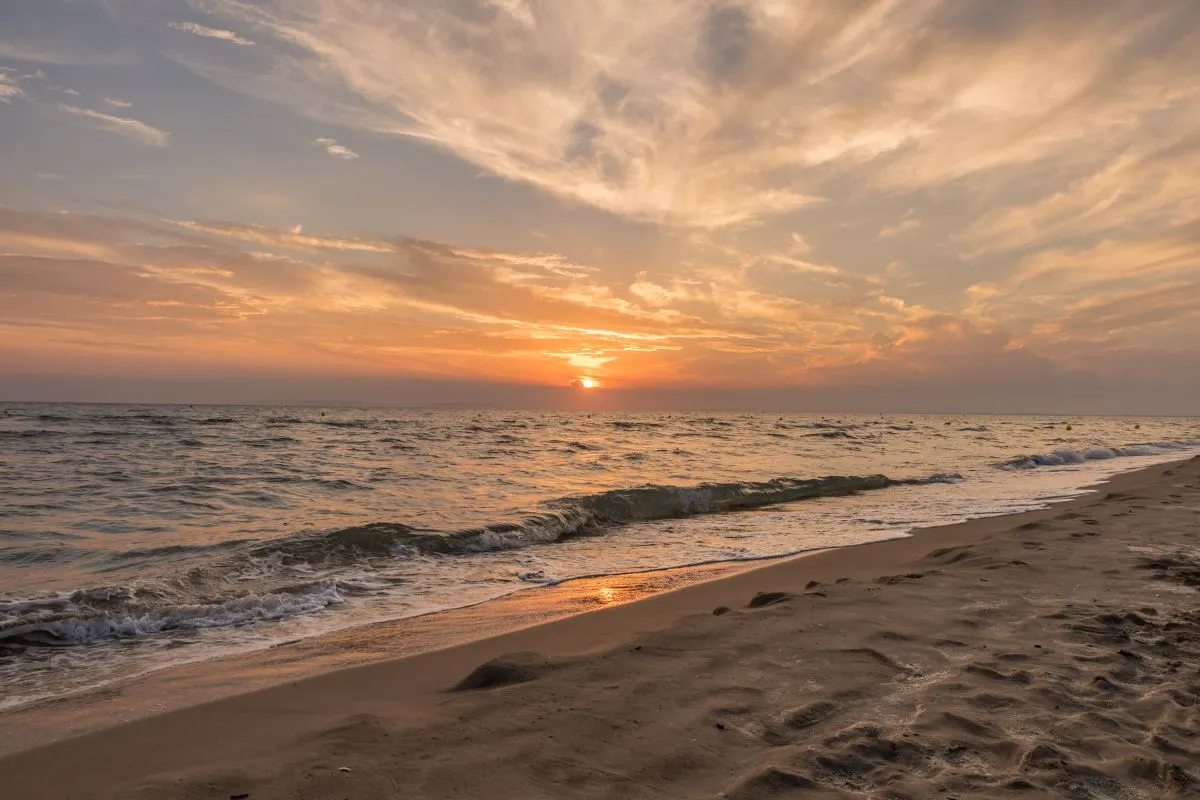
x,y
1065,455
78,624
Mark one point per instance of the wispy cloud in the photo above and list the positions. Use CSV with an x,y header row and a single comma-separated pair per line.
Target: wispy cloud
x,y
9,88
266,297
295,238
131,128
115,103
456,308
760,108
900,228
39,54
210,33
336,150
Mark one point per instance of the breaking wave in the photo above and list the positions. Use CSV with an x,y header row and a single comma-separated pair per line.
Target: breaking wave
x,y
571,516
1064,456
91,615
249,585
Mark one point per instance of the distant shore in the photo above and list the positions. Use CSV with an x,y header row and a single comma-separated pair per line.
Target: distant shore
x,y
1051,652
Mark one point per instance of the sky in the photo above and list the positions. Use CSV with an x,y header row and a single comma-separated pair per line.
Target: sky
x,y
822,205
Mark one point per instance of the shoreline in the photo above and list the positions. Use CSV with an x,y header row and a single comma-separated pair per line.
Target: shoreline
x,y
320,558
360,680
174,687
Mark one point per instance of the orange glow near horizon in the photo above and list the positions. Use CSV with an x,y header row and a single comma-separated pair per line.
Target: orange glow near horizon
x,y
588,383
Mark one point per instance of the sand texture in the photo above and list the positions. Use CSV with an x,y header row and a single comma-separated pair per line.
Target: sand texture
x,y
1053,654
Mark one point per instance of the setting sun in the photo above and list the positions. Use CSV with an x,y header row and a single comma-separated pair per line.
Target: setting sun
x,y
588,383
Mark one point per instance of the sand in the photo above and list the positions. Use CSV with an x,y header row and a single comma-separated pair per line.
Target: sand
x,y
1054,653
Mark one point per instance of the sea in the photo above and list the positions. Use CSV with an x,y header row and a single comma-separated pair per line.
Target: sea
x,y
135,537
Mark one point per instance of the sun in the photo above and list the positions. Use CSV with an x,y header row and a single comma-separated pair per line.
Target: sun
x,y
588,383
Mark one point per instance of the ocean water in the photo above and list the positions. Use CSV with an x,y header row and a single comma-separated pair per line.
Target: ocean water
x,y
133,537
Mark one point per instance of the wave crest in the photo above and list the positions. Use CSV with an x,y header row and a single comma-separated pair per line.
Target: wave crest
x,y
565,517
212,596
1065,456
117,612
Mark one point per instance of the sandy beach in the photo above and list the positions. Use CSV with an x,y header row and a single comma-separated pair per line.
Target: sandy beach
x,y
1052,653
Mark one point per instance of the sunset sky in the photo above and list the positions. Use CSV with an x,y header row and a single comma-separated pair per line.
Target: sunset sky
x,y
836,205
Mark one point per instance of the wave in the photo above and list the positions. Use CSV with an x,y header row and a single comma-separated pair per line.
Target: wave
x,y
116,613
629,424
30,434
1064,456
42,555
570,516
185,488
149,418
171,550
248,585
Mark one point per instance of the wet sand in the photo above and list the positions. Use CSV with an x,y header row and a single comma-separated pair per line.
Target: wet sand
x,y
1053,653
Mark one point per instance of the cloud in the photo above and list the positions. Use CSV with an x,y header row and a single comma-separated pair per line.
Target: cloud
x,y
336,150
1143,187
800,245
131,128
429,307
29,51
800,265
161,294
1084,301
900,228
758,108
9,88
114,102
210,33
293,239
571,103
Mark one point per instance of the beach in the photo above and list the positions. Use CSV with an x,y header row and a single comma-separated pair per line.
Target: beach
x,y
1050,653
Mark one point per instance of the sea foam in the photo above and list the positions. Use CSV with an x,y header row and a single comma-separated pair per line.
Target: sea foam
x,y
1065,455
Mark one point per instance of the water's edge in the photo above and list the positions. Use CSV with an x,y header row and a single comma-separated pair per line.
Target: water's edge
x,y
220,675
232,674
